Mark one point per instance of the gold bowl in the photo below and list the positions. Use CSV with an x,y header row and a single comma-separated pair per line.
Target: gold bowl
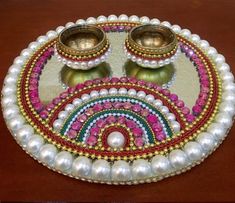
x,y
82,46
151,46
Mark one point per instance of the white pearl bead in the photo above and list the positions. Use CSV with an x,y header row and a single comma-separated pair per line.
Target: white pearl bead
x,y
219,59
132,92
25,53
112,91
166,23
81,166
85,97
207,141
47,154
141,169
94,93
164,109
24,133
195,38
178,159
42,39
228,96
123,17
176,28
77,102
193,150
9,100
62,115
57,124
134,18
10,79
228,86
51,34
91,20
186,33
217,130
121,171
223,67
81,22
90,64
101,19
160,165
116,139
204,44
122,90
149,98
10,111
34,144
69,107
9,90
176,126
141,94
100,170
211,51
112,18
59,29
16,122
14,69
69,24
225,119
170,117
63,161
19,60
33,45
227,107
144,19
103,92
227,77
155,21
157,103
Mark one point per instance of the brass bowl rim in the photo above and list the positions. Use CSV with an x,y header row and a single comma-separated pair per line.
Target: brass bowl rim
x,y
94,49
163,49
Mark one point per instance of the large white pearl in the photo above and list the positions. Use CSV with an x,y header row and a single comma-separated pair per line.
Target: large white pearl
x,y
81,166
211,51
69,24
149,98
47,153
16,123
144,19
63,161
155,21
160,165
113,91
228,86
141,94
122,90
132,92
14,69
166,23
81,22
103,92
193,150
186,32
85,97
9,90
19,60
207,141
33,45
34,144
57,124
195,38
228,96
69,107
123,17
134,18
121,171
225,119
176,28
227,76
91,20
10,79
100,170
141,169
62,115
42,39
77,102
51,34
101,19
219,59
217,130
94,93
227,107
164,109
9,100
116,139
176,126
112,18
223,67
24,133
204,44
10,111
170,117
178,159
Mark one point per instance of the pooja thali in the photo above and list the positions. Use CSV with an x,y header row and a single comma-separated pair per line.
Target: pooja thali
x,y
116,115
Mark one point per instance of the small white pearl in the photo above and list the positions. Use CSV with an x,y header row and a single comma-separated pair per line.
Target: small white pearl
x,y
112,91
77,102
144,20
178,159
69,24
160,165
141,169
228,86
9,90
42,39
103,92
85,97
132,92
47,154
195,38
10,111
186,33
170,117
122,90
112,18
94,93
207,141
25,53
91,20
211,51
164,109
24,133
69,107
16,122
59,29
176,126
81,22
134,18
155,21
228,96
34,144
123,17
81,166
219,59
166,23
51,34
227,77
176,28
193,150
157,103
100,170
141,94
62,115
101,19
57,124
121,171
116,139
97,61
33,45
204,44
9,100
225,119
90,64
227,107
14,69
63,161
217,130
149,98
223,67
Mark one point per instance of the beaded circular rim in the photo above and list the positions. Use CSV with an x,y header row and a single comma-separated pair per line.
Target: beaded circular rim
x,y
160,136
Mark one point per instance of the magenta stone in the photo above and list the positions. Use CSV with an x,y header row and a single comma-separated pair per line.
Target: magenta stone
x,y
94,131
130,124
88,83
117,105
137,132
92,140
76,125
110,119
179,103
144,112
101,123
139,142
173,97
190,118
121,120
107,105
160,136
44,114
152,118
72,134
82,118
136,108
127,105
185,110
97,107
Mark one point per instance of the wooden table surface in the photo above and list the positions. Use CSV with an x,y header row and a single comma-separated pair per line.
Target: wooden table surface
x,y
22,178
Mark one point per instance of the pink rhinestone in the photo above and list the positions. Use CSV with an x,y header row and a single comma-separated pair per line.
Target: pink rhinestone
x,y
201,102
107,105
76,125
141,82
127,105
106,28
35,100
80,86
114,80
63,95
185,110
82,118
43,114
101,123
88,83
71,90
106,80
149,84
114,28
144,112
130,124
33,81
33,94
157,127
123,79
152,118
97,107
94,131
121,120
179,103
72,134
92,140
110,119
173,97
56,100
160,136
133,80
165,92
137,132
139,142
50,106
203,95
197,109
89,112
190,118
97,81
38,107
117,105
136,107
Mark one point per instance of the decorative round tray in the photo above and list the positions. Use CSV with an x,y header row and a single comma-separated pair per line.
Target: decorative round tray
x,y
113,124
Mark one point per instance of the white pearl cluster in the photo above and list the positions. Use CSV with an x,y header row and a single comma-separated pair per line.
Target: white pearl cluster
x,y
120,171
151,63
84,65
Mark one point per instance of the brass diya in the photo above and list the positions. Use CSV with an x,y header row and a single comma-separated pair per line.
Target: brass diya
x,y
82,47
151,46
